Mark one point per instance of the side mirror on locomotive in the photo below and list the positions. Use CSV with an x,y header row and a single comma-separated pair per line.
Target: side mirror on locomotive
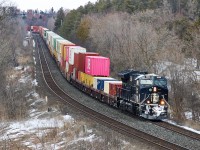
x,y
144,94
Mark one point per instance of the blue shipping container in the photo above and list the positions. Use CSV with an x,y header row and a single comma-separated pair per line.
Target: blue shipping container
x,y
100,83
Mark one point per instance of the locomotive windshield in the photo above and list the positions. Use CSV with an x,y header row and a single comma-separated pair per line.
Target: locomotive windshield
x,y
160,82
146,82
154,81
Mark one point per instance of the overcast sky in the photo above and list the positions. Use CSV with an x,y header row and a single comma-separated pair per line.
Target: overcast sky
x,y
48,4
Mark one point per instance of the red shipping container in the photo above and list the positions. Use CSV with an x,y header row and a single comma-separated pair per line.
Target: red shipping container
x,y
113,87
76,60
97,66
79,60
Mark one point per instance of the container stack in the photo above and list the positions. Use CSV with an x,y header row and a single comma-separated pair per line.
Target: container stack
x,y
60,52
70,52
79,62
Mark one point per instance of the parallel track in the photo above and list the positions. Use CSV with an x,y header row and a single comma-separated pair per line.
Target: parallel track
x,y
102,119
179,130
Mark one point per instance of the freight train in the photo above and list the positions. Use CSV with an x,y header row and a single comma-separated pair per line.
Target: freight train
x,y
140,93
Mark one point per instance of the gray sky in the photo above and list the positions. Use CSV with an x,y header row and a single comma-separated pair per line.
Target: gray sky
x,y
48,4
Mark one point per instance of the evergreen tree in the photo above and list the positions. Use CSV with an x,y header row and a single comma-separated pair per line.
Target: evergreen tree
x,y
59,19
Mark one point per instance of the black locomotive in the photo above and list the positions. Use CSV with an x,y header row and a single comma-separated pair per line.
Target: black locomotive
x,y
143,94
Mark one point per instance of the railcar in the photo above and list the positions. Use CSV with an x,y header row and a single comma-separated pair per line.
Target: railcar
x,y
140,93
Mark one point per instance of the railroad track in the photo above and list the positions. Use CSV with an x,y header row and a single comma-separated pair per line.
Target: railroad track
x,y
102,119
179,130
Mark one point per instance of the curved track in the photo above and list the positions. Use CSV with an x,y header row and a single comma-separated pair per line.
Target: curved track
x,y
102,119
179,130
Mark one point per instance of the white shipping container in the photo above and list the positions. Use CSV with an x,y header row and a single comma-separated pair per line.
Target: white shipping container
x,y
75,49
58,47
107,85
58,42
49,33
95,81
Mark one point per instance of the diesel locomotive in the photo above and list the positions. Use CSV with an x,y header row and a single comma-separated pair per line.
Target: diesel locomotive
x,y
143,94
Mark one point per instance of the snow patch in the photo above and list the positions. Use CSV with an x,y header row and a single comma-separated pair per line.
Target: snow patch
x,y
34,82
18,68
187,128
90,138
16,129
34,60
188,115
25,79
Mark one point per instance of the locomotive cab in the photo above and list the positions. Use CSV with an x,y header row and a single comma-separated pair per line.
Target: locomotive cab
x,y
144,94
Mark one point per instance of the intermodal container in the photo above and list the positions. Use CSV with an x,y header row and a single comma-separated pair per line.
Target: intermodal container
x,y
96,80
114,87
70,52
81,76
110,87
53,35
49,33
100,83
89,80
79,60
54,38
60,43
44,32
97,66
86,79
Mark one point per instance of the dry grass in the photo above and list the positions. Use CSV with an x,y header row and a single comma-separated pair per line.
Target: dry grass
x,y
24,60
192,124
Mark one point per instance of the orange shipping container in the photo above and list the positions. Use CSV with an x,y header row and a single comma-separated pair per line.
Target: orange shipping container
x,y
63,51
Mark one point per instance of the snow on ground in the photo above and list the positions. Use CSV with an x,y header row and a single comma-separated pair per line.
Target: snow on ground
x,y
188,115
34,60
90,138
185,127
40,122
18,68
34,82
15,129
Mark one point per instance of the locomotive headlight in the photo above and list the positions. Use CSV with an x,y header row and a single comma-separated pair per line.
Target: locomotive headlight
x,y
154,89
162,102
148,101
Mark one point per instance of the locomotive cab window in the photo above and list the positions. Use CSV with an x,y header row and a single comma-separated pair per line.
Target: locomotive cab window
x,y
146,82
160,82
